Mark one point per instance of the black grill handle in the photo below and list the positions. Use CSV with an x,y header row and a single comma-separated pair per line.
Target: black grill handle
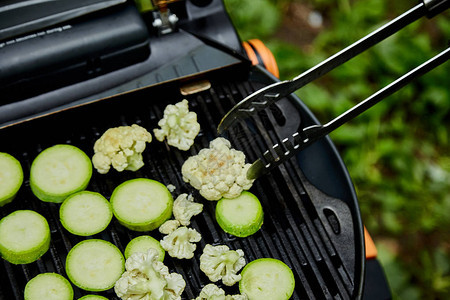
x,y
435,7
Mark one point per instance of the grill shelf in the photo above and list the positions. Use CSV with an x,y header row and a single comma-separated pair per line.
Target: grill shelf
x,y
316,234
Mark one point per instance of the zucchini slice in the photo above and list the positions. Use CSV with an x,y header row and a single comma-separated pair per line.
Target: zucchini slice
x,y
93,297
24,236
48,286
85,213
142,244
141,204
11,178
267,278
58,172
94,265
241,216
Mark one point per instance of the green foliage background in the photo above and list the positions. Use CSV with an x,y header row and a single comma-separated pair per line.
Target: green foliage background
x,y
398,153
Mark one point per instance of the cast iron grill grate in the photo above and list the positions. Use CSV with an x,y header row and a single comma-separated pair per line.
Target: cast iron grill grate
x,y
292,230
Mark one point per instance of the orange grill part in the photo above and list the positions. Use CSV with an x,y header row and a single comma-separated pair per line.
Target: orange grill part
x,y
258,53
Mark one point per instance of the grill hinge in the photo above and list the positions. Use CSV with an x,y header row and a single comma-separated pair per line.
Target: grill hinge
x,y
163,19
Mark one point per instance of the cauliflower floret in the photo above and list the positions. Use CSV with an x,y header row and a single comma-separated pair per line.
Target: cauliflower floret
x,y
210,292
121,147
236,297
169,226
180,243
218,171
219,262
148,278
179,125
171,188
213,292
184,208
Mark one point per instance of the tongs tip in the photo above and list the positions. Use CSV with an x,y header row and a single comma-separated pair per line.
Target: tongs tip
x,y
229,119
256,170
245,108
224,124
221,127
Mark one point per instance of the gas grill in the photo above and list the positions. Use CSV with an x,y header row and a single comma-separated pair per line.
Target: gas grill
x,y
312,220
317,235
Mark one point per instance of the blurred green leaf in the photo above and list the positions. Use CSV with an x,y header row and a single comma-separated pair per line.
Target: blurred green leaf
x,y
259,17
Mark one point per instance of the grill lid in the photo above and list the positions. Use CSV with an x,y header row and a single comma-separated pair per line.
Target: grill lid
x,y
205,40
26,16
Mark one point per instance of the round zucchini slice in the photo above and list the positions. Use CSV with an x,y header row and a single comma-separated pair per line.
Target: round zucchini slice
x,y
141,204
48,286
267,278
58,172
85,213
93,297
94,265
142,244
11,178
24,236
241,216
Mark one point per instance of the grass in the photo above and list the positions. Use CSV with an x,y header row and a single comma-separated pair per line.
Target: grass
x,y
397,153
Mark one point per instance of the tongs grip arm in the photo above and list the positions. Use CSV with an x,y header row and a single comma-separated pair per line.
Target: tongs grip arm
x,y
435,7
272,93
266,96
358,47
429,8
311,134
384,92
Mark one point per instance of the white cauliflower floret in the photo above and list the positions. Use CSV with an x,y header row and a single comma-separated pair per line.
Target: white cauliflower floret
x,y
171,187
218,171
213,292
180,243
179,125
219,262
148,278
169,226
184,208
236,297
121,147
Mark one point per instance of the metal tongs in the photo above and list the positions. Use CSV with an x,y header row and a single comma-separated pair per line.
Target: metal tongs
x,y
264,97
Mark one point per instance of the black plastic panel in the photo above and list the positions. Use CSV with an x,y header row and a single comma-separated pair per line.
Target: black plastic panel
x,y
66,53
20,17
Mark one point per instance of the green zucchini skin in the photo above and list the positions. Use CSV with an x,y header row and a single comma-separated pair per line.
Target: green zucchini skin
x,y
86,265
48,162
28,255
85,213
144,241
151,188
93,297
9,167
43,285
228,209
267,278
